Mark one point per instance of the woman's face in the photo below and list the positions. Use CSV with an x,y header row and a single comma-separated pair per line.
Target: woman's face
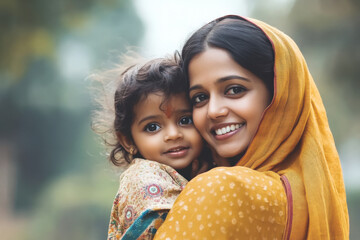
x,y
228,102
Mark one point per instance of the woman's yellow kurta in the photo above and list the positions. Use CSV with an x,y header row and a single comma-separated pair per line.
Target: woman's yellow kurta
x,y
293,141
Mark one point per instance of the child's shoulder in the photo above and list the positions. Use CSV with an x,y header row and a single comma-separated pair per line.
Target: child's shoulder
x,y
142,170
140,167
144,166
141,162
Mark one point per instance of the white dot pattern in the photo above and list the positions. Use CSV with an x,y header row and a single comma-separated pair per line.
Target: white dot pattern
x,y
230,203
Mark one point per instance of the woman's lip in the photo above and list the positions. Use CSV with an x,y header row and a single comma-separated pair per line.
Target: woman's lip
x,y
228,134
230,126
218,126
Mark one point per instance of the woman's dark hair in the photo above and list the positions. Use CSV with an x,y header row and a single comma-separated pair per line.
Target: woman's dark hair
x,y
246,43
162,75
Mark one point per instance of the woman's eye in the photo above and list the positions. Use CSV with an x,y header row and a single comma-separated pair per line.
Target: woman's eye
x,y
152,127
198,98
186,120
235,90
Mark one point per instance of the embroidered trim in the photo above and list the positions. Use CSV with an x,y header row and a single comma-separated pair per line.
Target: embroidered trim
x,y
290,214
142,223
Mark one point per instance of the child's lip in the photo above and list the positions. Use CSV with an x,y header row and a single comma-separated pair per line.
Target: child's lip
x,y
176,149
177,152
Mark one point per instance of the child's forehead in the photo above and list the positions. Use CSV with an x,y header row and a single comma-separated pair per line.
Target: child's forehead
x,y
169,104
168,110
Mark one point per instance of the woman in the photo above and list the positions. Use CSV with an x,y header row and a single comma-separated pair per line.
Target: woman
x,y
257,106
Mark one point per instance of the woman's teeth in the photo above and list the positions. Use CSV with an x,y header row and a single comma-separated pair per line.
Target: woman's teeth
x,y
227,129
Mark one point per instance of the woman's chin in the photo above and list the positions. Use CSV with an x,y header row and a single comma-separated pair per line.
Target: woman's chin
x,y
230,157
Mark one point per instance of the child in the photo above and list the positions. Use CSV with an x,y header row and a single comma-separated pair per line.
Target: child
x,y
152,121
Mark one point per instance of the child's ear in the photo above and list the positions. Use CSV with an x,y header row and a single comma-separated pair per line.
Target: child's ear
x,y
126,143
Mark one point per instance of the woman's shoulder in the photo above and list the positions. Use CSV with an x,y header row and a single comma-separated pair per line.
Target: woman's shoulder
x,y
240,173
262,186
228,202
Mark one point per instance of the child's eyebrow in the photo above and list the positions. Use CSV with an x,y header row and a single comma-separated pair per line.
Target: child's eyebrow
x,y
187,110
148,118
151,117
177,112
182,111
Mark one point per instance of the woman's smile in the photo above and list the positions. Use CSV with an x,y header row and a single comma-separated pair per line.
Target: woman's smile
x,y
226,130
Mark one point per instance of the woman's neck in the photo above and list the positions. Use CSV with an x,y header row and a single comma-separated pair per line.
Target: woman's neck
x,y
226,162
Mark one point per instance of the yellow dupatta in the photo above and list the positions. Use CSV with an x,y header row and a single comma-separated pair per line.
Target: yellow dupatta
x,y
294,139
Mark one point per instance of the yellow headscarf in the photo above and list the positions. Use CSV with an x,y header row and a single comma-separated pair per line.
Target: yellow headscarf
x,y
294,139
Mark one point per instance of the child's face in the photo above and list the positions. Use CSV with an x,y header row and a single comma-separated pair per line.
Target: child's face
x,y
166,135
228,101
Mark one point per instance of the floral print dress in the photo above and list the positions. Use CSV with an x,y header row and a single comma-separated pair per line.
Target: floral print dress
x,y
147,192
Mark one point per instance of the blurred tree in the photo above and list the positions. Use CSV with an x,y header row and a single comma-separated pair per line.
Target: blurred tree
x,y
74,207
327,33
330,30
45,106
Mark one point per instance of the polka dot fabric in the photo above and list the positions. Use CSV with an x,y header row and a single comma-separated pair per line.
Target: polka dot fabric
x,y
228,203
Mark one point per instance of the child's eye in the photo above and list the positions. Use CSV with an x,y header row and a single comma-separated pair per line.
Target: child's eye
x,y
198,98
186,120
235,90
152,127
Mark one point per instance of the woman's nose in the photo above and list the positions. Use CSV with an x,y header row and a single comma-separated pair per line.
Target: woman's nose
x,y
216,108
173,132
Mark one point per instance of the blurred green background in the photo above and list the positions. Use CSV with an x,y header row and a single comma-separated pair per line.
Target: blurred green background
x,y
55,180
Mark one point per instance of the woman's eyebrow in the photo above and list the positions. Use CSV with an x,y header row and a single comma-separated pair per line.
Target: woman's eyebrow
x,y
198,86
227,78
220,80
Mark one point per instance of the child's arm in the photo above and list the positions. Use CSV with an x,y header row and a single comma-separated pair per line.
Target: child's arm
x,y
147,192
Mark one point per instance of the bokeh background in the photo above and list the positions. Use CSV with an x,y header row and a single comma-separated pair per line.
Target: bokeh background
x,y
55,181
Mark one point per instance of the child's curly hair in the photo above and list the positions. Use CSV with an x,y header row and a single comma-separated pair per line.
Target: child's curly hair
x,y
125,86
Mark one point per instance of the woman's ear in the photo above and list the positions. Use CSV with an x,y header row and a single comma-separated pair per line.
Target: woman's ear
x,y
126,143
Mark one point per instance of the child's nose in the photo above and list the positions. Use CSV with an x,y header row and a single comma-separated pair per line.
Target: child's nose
x,y
172,133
